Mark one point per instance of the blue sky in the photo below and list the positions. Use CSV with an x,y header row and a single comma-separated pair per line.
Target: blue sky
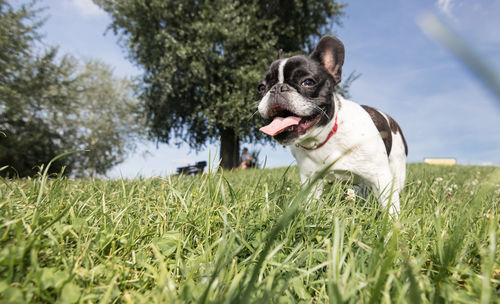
x,y
443,109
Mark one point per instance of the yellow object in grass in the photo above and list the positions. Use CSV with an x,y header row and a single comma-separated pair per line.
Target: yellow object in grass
x,y
441,161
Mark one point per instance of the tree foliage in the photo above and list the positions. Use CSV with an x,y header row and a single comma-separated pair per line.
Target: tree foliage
x,y
51,105
298,24
30,89
202,61
106,120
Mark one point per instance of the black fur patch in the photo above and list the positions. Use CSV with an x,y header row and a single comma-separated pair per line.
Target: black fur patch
x,y
382,126
386,128
395,129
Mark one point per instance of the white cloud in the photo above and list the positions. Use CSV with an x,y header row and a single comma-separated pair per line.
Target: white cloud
x,y
87,8
445,6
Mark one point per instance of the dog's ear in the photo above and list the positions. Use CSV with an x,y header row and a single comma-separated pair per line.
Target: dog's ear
x,y
330,53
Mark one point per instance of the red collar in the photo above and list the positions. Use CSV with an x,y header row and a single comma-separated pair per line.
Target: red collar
x,y
333,131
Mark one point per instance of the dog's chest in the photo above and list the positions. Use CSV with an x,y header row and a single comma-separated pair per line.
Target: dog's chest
x,y
335,153
354,150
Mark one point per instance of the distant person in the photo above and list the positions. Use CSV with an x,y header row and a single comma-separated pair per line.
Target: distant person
x,y
246,159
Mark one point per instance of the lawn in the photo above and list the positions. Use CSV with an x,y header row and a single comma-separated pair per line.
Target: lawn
x,y
249,237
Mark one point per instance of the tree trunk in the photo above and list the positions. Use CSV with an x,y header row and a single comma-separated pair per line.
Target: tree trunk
x,y
229,149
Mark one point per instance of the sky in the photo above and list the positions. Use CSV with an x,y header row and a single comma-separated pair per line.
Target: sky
x,y
443,109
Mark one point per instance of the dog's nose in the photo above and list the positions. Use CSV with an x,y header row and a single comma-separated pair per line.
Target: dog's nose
x,y
279,88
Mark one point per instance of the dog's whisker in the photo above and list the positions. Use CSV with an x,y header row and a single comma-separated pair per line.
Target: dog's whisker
x,y
251,116
322,111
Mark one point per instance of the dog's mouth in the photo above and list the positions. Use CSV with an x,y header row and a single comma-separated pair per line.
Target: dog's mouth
x,y
285,124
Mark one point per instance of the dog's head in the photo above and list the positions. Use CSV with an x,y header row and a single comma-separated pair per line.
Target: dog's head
x,y
297,92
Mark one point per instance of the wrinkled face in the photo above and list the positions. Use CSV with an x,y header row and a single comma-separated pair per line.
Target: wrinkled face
x,y
300,88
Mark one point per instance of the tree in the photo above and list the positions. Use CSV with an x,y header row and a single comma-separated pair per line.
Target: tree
x,y
48,106
202,61
31,87
106,120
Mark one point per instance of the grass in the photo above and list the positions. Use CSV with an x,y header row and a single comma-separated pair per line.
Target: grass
x,y
249,237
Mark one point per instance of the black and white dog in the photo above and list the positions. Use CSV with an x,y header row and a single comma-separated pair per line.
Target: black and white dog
x,y
321,127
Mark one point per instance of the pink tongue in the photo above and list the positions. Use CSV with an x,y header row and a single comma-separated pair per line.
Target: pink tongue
x,y
279,124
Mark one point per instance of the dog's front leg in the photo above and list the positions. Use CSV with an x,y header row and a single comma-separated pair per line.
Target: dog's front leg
x,y
387,193
317,188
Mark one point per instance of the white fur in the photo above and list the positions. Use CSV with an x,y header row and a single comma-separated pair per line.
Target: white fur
x,y
357,149
281,75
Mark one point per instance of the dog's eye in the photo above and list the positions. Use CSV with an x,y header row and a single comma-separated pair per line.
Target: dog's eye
x,y
261,88
308,82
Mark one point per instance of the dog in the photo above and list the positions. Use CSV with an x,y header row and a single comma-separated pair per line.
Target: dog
x,y
324,129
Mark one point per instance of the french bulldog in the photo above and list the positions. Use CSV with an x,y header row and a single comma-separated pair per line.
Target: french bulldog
x,y
324,129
